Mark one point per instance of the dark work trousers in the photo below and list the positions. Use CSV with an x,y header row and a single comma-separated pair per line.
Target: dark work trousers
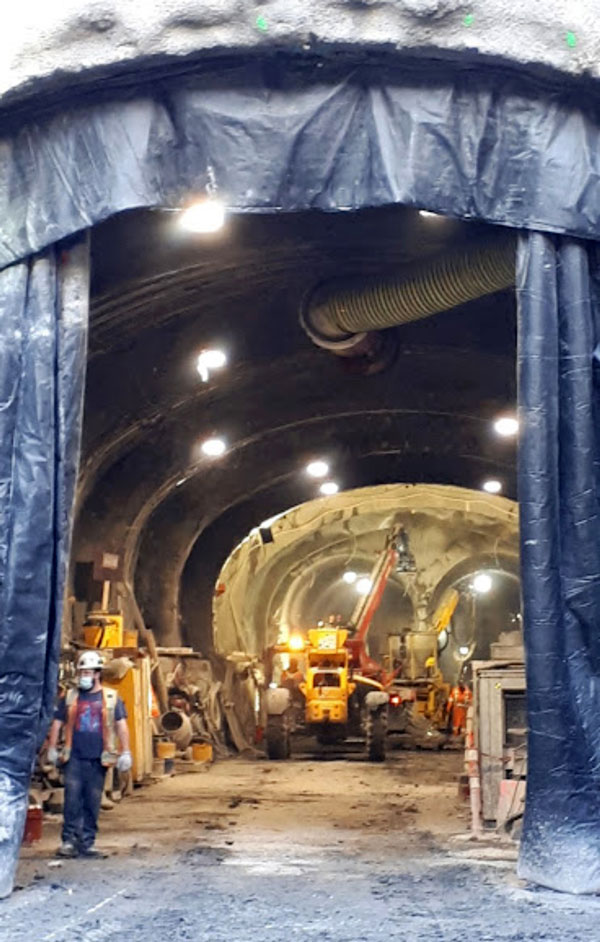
x,y
84,782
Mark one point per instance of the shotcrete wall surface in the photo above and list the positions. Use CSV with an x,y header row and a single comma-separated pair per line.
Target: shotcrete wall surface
x,y
261,584
53,42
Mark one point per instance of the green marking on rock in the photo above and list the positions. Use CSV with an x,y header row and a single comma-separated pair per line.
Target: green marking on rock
x,y
261,23
571,39
469,19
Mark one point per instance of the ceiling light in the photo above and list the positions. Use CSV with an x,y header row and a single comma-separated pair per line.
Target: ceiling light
x,y
350,577
209,360
463,650
506,426
482,583
329,488
213,447
492,487
317,469
207,215
364,585
427,214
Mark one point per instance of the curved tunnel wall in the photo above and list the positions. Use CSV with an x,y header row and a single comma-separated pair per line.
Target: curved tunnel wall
x,y
156,499
263,583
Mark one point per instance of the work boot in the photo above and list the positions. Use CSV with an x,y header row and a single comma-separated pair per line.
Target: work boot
x,y
67,849
93,853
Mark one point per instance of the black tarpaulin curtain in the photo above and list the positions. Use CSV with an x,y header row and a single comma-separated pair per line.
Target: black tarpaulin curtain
x,y
559,491
279,136
43,329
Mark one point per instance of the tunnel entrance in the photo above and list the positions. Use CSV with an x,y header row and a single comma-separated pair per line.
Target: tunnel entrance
x,y
156,488
418,405
422,410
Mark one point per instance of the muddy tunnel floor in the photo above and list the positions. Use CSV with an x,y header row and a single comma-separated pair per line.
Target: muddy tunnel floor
x,y
332,849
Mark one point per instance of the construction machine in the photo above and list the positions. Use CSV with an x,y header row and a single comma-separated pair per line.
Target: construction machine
x,y
396,557
421,680
344,692
332,701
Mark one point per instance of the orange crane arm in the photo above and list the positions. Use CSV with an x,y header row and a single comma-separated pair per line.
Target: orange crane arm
x,y
396,556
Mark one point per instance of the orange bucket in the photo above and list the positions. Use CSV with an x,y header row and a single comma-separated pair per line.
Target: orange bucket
x,y
165,750
202,752
33,825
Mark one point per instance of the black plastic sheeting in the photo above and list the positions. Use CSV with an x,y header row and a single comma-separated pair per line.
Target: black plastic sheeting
x,y
277,137
43,326
559,483
283,137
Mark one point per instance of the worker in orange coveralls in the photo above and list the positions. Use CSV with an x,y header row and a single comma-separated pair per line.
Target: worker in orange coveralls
x,y
458,702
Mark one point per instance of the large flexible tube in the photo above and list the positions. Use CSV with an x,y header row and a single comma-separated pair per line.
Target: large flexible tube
x,y
337,312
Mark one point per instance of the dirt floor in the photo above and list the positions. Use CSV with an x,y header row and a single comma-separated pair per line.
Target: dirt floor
x,y
331,848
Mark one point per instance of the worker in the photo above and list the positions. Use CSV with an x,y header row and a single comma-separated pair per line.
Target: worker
x,y
293,676
95,721
456,707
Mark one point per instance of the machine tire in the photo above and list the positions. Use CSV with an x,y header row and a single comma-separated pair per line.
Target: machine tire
x,y
277,738
375,736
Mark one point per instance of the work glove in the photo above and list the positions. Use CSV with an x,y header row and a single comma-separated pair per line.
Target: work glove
x,y
124,762
52,755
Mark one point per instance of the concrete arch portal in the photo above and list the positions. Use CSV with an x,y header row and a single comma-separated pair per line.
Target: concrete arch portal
x,y
327,128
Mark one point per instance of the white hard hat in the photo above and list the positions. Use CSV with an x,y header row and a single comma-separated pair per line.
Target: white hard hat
x,y
90,661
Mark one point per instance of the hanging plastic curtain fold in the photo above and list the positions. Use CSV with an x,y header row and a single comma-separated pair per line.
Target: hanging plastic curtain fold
x,y
559,497
286,135
43,326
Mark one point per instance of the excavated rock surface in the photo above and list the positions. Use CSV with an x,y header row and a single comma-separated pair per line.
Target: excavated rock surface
x,y
50,42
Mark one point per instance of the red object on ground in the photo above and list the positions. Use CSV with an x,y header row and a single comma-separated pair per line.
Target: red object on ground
x,y
33,826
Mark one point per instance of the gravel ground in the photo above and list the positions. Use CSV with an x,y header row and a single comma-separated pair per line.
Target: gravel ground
x,y
320,848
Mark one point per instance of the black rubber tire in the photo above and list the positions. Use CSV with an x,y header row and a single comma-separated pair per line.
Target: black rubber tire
x,y
375,737
277,738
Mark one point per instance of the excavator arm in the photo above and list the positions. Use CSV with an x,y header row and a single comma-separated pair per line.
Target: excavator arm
x,y
396,556
445,610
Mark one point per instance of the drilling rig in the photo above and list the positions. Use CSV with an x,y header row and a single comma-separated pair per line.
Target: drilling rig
x,y
343,693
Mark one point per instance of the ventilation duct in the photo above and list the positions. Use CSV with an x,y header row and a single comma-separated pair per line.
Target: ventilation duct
x,y
340,315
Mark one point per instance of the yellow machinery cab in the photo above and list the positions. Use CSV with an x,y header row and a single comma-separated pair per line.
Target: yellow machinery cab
x,y
327,686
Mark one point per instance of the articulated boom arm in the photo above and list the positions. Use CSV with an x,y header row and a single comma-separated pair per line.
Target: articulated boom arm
x,y
445,611
396,556
367,605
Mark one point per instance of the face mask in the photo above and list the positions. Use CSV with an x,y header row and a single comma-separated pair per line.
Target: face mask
x,y
86,683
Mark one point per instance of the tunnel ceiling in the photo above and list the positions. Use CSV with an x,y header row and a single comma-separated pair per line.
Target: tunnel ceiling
x,y
159,296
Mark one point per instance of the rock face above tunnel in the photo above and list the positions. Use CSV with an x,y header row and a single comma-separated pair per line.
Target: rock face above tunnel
x,y
46,43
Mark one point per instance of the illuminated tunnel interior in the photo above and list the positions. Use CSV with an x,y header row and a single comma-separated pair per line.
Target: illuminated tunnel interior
x,y
422,413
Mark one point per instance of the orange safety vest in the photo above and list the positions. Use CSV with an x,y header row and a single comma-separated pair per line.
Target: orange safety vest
x,y
457,705
109,733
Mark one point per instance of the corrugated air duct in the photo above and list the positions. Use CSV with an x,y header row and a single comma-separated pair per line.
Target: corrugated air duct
x,y
339,315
